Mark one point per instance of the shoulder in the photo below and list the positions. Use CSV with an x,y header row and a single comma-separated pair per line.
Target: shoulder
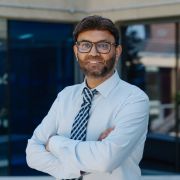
x,y
132,100
131,93
70,91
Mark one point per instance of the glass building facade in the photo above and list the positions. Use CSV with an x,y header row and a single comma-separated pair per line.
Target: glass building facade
x,y
151,62
36,62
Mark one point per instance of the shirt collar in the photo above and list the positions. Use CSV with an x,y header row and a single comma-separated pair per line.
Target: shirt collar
x,y
107,86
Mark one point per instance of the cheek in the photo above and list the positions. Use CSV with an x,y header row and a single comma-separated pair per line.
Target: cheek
x,y
108,57
81,56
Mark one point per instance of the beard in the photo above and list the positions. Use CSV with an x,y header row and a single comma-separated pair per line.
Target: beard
x,y
100,68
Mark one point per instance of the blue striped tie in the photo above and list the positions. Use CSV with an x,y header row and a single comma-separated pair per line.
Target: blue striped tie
x,y
79,126
78,131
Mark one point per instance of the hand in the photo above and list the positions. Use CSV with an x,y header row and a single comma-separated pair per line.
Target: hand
x,y
105,133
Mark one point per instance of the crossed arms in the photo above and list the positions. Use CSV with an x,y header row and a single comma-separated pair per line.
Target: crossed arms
x,y
62,157
102,136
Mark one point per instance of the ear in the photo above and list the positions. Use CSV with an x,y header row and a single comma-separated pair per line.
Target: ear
x,y
75,50
118,52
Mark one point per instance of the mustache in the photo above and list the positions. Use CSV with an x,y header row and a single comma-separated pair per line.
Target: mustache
x,y
95,58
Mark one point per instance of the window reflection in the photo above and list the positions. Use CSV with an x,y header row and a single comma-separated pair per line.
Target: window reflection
x,y
4,120
149,62
41,65
150,65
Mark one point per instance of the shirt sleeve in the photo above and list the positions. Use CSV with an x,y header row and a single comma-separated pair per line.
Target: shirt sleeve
x,y
39,158
104,156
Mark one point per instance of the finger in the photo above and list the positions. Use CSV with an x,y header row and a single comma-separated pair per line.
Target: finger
x,y
102,136
105,133
109,130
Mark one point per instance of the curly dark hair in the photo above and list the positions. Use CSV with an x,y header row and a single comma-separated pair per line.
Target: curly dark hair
x,y
96,23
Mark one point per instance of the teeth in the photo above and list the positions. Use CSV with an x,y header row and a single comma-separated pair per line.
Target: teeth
x,y
93,62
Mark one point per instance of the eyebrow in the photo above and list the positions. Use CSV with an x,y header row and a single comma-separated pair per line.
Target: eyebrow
x,y
103,40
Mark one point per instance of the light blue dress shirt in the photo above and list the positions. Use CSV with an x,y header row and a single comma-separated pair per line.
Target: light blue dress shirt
x,y
118,104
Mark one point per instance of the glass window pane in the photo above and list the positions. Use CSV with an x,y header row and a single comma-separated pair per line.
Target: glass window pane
x,y
149,62
178,77
4,123
41,61
151,66
158,56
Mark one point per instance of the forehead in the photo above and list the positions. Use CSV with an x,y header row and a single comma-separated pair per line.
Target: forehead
x,y
96,35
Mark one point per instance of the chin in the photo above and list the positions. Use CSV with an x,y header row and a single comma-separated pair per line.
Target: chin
x,y
93,75
96,74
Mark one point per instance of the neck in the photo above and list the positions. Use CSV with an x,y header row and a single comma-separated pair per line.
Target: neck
x,y
93,82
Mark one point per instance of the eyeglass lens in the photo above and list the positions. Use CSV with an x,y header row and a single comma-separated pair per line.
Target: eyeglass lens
x,y
101,47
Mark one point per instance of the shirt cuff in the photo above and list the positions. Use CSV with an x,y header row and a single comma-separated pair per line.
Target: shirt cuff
x,y
64,149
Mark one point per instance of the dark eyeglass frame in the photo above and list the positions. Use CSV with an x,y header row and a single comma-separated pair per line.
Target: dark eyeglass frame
x,y
95,43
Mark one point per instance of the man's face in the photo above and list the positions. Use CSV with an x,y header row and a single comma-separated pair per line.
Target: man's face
x,y
93,63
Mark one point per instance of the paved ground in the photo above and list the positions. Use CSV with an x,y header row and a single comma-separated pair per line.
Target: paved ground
x,y
168,177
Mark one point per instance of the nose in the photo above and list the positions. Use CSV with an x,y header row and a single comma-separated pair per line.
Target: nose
x,y
93,51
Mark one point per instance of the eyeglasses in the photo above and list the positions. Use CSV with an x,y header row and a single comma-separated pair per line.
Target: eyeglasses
x,y
101,47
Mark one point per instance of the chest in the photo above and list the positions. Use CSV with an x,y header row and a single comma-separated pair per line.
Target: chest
x,y
101,116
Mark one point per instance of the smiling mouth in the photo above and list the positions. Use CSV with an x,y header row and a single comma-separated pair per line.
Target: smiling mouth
x,y
95,62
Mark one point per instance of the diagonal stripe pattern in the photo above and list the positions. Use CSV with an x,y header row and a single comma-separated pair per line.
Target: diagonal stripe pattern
x,y
78,131
79,126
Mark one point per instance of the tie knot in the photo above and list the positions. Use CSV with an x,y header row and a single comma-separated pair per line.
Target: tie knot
x,y
88,94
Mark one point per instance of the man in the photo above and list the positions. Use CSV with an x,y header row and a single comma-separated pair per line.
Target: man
x,y
97,129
